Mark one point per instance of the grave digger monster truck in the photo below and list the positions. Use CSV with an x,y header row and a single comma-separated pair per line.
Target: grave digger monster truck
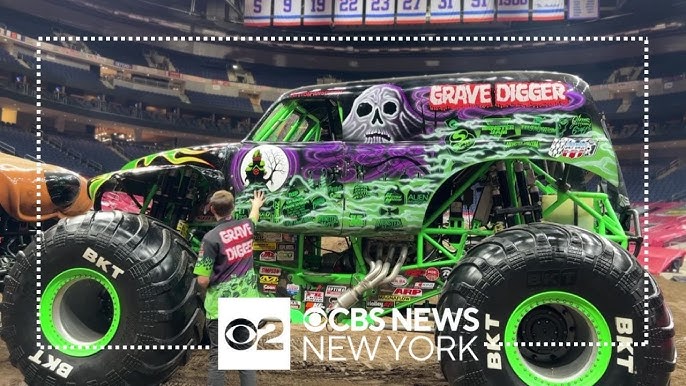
x,y
472,189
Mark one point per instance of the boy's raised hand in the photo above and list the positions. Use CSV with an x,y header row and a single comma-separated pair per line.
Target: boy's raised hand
x,y
258,199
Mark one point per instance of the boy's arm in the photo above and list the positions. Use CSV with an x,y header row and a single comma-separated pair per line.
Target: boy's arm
x,y
205,264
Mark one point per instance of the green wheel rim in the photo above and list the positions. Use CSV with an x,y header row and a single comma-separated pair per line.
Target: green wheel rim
x,y
60,320
594,359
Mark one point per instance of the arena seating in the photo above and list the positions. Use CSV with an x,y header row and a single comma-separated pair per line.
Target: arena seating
x,y
95,151
71,76
220,101
24,143
6,58
670,186
129,54
133,150
193,65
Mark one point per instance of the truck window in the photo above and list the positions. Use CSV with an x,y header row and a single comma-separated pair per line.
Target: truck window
x,y
301,120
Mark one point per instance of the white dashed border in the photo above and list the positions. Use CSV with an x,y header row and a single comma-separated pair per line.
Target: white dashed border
x,y
340,39
334,39
39,182
146,347
646,190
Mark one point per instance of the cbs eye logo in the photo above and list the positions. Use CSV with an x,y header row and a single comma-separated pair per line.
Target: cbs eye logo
x,y
254,334
242,334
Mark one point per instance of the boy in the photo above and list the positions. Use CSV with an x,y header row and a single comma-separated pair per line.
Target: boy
x,y
225,269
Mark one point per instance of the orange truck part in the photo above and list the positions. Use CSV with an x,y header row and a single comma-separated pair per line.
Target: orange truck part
x,y
63,193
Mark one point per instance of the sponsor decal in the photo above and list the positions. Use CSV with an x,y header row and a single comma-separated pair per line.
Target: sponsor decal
x,y
269,237
285,255
413,292
388,223
318,92
286,247
415,272
309,305
581,124
520,143
417,197
399,281
296,304
314,296
432,274
267,256
425,285
380,304
263,246
394,298
269,280
270,271
357,220
292,289
572,147
334,291
269,288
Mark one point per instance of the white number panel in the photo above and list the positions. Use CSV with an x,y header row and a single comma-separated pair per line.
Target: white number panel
x,y
412,12
380,12
513,10
287,12
445,11
258,13
476,11
318,12
348,12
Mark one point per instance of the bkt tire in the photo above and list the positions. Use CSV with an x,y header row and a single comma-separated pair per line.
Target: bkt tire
x,y
119,303
556,305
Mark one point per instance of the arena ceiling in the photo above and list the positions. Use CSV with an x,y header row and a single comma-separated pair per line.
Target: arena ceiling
x,y
663,20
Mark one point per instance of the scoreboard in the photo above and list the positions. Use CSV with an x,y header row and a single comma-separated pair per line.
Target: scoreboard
x,y
294,13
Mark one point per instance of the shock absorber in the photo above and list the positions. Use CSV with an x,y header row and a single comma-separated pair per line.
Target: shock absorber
x,y
499,218
536,202
502,182
523,191
534,192
455,219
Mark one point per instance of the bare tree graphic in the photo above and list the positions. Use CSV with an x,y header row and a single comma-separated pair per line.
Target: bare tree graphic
x,y
276,162
266,166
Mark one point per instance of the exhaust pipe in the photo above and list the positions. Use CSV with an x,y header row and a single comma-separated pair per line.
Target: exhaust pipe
x,y
377,275
398,266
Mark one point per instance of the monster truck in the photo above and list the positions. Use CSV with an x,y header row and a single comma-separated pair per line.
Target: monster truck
x,y
494,190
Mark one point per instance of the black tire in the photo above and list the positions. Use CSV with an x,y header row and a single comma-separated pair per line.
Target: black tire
x,y
505,269
158,294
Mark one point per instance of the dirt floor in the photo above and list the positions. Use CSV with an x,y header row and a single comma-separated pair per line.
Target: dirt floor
x,y
385,370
